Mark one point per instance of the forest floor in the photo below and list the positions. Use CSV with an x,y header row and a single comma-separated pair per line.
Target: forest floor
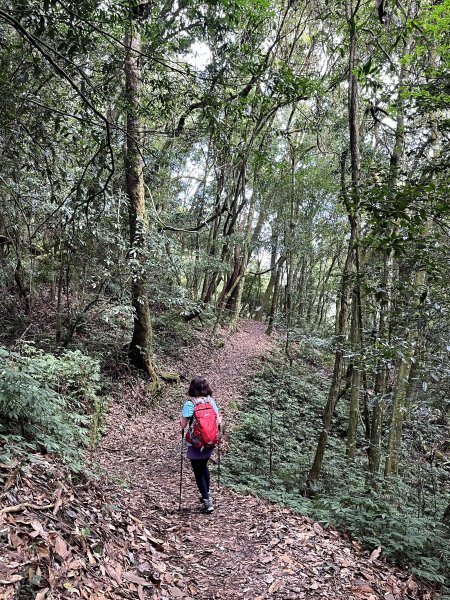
x,y
118,533
248,548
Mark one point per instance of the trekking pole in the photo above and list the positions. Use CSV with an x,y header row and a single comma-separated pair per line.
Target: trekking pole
x,y
181,467
218,459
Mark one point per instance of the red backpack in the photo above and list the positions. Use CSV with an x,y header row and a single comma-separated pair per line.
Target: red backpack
x,y
203,430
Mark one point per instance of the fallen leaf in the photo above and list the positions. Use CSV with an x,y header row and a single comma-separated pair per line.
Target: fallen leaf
x,y
38,529
11,579
41,594
74,590
15,540
91,558
158,544
145,567
176,592
318,528
412,585
135,579
61,548
275,586
115,572
41,551
266,559
58,503
10,481
362,587
346,563
376,553
51,578
285,558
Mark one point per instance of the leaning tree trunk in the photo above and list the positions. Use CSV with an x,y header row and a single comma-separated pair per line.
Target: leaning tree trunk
x,y
333,392
352,212
140,348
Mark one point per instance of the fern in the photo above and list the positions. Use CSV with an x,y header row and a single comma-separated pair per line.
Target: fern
x,y
48,403
280,418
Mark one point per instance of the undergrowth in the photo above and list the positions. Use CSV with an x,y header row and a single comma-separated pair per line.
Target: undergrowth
x,y
48,403
272,450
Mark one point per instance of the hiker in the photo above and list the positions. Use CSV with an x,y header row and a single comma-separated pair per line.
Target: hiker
x,y
203,419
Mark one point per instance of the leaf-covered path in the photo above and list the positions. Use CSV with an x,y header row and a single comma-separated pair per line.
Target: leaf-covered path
x,y
248,548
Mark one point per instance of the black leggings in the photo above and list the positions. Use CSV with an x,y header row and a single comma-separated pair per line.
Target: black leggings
x,y
200,468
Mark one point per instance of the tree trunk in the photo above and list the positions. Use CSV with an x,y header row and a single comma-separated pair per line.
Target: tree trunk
x,y
374,453
356,376
236,309
333,393
385,303
401,388
351,205
321,301
209,281
265,301
140,348
275,294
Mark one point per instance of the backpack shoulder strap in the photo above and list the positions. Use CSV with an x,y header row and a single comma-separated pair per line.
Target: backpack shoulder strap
x,y
191,418
200,400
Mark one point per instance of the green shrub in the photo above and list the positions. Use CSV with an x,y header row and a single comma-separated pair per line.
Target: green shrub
x,y
173,334
48,402
376,520
271,452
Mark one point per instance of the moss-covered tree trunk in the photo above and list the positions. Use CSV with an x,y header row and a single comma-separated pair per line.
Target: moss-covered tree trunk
x,y
140,348
401,388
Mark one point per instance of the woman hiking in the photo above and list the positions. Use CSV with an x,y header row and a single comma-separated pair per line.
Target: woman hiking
x,y
202,417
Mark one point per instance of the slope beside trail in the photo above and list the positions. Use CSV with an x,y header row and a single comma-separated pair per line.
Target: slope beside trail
x,y
248,548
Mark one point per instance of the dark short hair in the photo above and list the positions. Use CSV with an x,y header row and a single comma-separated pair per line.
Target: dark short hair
x,y
199,387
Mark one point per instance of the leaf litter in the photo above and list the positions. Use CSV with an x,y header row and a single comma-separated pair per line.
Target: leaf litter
x,y
123,536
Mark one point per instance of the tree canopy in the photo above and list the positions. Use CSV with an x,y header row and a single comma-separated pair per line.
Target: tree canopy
x,y
168,165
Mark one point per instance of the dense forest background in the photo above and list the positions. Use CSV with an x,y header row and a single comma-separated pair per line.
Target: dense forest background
x,y
175,166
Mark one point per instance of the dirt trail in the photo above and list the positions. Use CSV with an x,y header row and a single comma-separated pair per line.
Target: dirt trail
x,y
247,548
144,450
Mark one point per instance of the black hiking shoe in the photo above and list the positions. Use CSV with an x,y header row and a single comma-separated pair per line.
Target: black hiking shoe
x,y
208,505
200,498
